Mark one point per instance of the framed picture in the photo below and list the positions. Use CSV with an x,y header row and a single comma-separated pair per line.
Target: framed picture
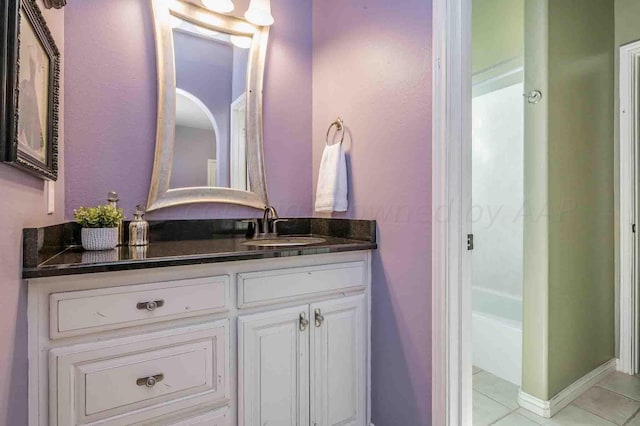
x,y
29,90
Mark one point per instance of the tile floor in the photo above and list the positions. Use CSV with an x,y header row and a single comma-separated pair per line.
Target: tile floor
x,y
613,401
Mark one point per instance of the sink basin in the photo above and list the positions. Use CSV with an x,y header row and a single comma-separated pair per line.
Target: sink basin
x,y
285,242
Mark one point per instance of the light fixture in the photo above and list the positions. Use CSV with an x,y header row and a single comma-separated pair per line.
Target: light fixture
x,y
259,13
241,42
220,6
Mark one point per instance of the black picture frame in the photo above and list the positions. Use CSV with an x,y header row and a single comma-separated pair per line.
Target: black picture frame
x,y
16,18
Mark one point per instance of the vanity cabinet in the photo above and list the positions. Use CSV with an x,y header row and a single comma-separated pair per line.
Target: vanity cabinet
x,y
102,380
281,341
338,359
274,368
304,365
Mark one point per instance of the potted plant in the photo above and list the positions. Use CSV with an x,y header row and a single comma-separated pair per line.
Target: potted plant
x,y
99,226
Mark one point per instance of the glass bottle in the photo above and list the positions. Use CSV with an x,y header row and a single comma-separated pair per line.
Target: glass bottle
x,y
113,199
139,229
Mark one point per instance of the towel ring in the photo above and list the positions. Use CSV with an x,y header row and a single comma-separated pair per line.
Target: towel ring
x,y
339,125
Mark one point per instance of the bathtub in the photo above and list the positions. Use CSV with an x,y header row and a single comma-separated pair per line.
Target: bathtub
x,y
496,325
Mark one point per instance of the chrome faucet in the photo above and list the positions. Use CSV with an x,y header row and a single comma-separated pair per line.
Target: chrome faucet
x,y
270,214
266,229
270,220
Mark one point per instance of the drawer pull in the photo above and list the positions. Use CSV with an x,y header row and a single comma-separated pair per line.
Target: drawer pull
x,y
319,318
150,381
150,306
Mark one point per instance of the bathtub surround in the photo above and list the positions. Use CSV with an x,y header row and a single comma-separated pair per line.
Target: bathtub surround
x,y
496,324
569,187
24,204
498,193
497,187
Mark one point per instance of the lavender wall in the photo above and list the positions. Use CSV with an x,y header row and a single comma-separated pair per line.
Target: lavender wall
x,y
23,205
204,68
193,148
240,63
111,109
372,67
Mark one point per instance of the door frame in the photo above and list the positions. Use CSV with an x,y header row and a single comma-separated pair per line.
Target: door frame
x,y
451,202
239,178
628,243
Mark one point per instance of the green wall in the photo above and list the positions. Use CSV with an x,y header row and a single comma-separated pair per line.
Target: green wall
x,y
581,249
498,32
535,377
627,28
569,179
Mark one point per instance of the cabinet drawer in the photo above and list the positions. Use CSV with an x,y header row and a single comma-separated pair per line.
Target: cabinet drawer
x,y
214,418
90,311
97,381
259,288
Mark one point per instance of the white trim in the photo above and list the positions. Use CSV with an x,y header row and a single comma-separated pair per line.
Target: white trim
x,y
628,273
238,145
212,172
492,84
451,144
497,77
551,407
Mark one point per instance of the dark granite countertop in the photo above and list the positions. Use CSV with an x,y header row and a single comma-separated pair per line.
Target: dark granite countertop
x,y
55,250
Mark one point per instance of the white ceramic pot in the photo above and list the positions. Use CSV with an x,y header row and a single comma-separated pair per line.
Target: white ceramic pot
x,y
99,238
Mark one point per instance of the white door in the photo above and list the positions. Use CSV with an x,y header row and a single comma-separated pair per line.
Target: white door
x,y
273,368
238,154
338,363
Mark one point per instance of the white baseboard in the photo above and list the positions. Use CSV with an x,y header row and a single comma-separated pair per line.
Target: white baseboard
x,y
549,408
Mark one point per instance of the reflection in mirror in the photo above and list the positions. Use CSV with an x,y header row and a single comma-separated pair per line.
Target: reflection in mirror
x,y
210,121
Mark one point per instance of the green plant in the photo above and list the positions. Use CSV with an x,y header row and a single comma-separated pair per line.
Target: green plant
x,y
98,217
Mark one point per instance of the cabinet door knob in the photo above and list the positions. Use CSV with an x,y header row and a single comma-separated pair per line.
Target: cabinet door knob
x,y
304,322
150,306
150,381
319,318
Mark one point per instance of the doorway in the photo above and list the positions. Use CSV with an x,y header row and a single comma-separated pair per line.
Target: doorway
x,y
628,245
568,294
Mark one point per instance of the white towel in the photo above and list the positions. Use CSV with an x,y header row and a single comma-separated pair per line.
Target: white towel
x,y
332,190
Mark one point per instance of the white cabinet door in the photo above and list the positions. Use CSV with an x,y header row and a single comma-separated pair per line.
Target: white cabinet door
x,y
273,368
338,363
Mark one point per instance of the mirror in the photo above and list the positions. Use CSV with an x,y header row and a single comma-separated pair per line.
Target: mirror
x,y
209,132
210,128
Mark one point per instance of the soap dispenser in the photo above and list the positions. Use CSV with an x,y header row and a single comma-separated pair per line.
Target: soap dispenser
x,y
138,229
